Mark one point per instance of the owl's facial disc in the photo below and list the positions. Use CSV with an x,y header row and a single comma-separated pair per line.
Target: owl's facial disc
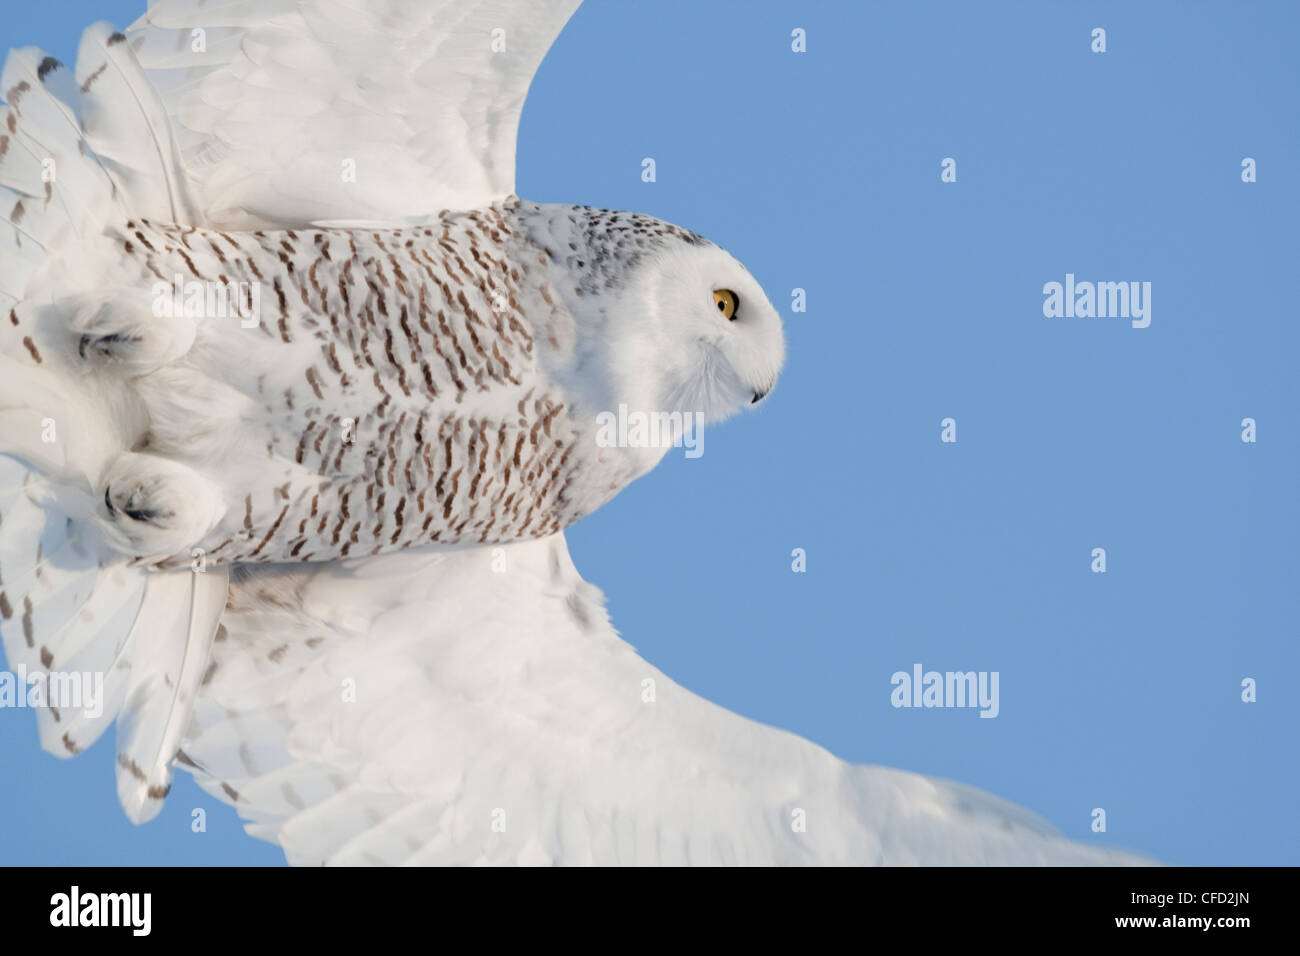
x,y
722,339
728,302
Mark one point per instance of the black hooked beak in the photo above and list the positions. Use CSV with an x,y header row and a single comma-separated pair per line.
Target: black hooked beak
x,y
758,396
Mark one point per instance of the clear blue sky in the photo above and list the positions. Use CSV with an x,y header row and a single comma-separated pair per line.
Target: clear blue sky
x,y
822,171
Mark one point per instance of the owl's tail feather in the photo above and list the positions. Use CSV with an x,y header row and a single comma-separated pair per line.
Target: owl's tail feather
x,y
88,636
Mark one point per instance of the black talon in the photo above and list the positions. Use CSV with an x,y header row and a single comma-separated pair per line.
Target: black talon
x,y
130,510
102,343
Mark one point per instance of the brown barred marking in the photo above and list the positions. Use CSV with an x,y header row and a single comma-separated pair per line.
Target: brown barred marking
x,y
284,312
131,767
451,495
401,371
15,93
194,271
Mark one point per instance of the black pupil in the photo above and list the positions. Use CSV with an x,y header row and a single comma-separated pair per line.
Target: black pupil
x,y
722,305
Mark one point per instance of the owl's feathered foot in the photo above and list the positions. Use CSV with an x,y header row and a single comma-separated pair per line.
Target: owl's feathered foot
x,y
124,331
153,507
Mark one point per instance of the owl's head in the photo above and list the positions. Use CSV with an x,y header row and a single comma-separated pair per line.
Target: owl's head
x,y
667,321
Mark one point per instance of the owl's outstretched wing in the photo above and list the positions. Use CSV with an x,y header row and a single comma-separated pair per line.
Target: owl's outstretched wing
x,y
477,707
235,113
294,111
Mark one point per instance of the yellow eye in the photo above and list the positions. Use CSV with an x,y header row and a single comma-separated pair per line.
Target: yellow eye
x,y
727,302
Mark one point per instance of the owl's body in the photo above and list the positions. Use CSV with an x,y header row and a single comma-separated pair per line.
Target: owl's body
x,y
385,387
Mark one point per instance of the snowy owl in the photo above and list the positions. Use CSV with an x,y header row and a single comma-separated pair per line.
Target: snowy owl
x,y
297,399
